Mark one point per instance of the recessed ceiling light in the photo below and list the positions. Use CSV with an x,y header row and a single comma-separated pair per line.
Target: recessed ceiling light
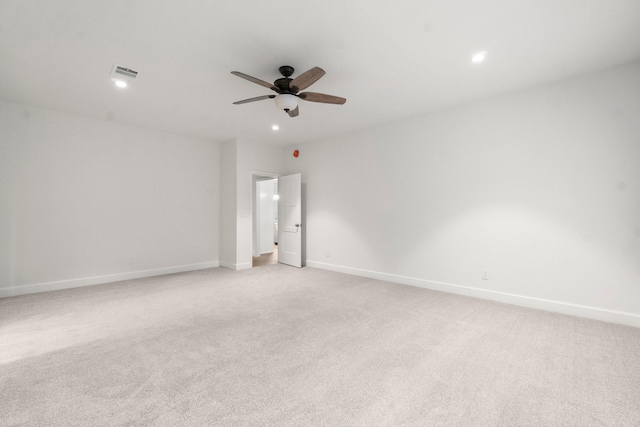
x,y
479,57
275,127
120,83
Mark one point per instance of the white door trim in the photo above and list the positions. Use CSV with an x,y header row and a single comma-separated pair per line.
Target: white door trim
x,y
255,220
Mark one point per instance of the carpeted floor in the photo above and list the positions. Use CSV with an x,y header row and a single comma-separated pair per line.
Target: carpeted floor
x,y
279,346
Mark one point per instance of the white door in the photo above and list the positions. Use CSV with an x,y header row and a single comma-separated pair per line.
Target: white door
x,y
290,220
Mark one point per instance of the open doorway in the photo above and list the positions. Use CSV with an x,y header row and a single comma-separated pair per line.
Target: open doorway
x,y
265,220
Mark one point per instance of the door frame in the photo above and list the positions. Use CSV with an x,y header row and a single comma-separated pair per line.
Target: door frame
x,y
255,220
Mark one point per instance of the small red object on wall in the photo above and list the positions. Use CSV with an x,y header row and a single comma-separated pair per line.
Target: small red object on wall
x,y
296,153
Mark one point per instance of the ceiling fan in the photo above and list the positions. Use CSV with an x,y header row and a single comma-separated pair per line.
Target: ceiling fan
x,y
287,89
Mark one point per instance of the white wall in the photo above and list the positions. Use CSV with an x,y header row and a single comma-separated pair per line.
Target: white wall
x,y
228,204
541,188
81,198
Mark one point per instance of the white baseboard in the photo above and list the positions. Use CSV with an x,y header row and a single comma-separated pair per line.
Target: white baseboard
x,y
97,280
239,266
595,313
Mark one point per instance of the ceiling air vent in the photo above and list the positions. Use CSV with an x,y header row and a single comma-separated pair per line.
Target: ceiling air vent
x,y
119,72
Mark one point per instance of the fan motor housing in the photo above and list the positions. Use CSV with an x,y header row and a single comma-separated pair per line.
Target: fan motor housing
x,y
283,85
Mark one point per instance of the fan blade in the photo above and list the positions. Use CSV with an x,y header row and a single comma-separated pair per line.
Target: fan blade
x,y
321,97
257,98
307,78
294,112
256,81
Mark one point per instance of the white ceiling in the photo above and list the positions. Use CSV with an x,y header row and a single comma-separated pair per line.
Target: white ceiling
x,y
391,60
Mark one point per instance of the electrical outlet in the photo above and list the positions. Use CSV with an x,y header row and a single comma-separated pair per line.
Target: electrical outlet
x,y
328,254
485,274
132,261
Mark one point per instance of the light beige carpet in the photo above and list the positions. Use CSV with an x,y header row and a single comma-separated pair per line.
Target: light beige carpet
x,y
279,346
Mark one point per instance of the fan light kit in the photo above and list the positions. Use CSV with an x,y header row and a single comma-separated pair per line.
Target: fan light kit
x,y
286,102
287,89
